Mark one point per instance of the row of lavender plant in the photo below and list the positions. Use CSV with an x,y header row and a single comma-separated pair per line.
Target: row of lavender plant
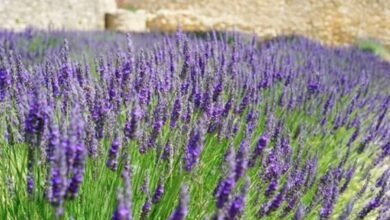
x,y
221,127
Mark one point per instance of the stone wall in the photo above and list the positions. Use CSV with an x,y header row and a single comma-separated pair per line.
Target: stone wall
x,y
55,14
124,20
331,21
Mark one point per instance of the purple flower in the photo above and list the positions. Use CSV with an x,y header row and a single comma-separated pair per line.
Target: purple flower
x,y
327,207
291,201
158,193
277,130
30,183
299,213
78,171
131,124
123,204
241,160
99,115
112,159
69,151
34,127
363,144
385,150
354,135
311,167
146,208
122,212
313,87
337,122
197,100
54,142
156,127
347,210
348,176
217,90
35,121
227,107
237,206
273,164
57,186
258,150
264,83
175,111
224,190
238,203
167,152
244,102
328,104
187,59
382,180
380,119
277,200
206,102
193,150
58,181
145,185
372,204
5,82
181,210
271,187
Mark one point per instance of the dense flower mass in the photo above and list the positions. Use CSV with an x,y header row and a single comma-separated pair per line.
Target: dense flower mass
x,y
185,126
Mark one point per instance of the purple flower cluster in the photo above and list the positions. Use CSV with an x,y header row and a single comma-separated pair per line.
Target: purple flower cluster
x,y
296,120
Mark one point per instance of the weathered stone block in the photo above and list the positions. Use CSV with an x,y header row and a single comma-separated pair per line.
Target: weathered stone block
x,y
55,14
125,20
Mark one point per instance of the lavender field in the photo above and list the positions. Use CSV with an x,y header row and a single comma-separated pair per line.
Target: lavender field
x,y
104,125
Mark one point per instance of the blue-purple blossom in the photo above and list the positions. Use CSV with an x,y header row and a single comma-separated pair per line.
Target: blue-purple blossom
x,y
146,208
241,160
237,205
112,160
131,125
372,204
5,82
158,193
258,149
224,190
78,171
175,111
122,212
193,149
181,210
303,122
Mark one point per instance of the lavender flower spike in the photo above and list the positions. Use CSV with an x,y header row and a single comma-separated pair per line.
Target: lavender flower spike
x,y
122,212
299,213
113,154
238,204
241,160
146,208
175,112
181,210
224,190
372,204
257,151
159,192
193,150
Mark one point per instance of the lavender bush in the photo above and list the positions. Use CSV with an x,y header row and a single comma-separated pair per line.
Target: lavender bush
x,y
154,126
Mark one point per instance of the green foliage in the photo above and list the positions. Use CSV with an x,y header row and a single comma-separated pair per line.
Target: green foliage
x,y
96,199
373,46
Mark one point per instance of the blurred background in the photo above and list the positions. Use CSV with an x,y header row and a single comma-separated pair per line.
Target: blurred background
x,y
333,22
